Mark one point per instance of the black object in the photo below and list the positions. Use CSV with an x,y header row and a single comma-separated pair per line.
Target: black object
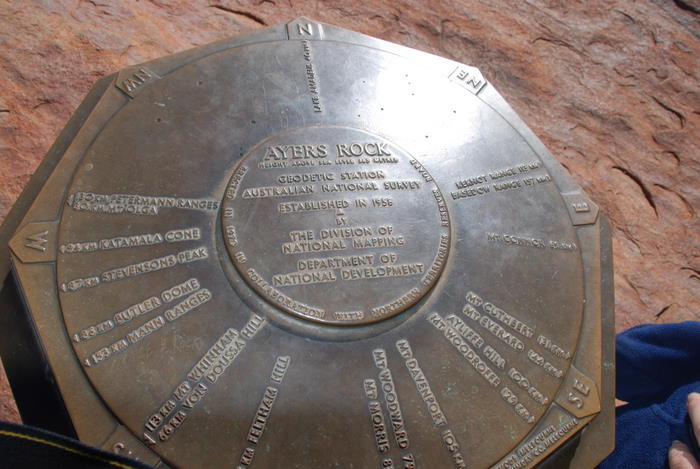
x,y
24,447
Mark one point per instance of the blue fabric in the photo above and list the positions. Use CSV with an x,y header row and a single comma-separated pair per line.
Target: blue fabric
x,y
657,367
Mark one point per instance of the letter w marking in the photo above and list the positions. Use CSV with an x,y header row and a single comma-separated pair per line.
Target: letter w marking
x,y
38,241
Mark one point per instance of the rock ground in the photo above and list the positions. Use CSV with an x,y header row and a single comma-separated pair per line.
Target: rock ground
x,y
610,86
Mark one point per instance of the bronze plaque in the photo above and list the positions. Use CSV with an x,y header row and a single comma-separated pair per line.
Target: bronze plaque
x,y
308,248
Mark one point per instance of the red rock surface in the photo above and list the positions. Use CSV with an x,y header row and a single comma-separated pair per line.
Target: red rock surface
x,y
611,87
8,409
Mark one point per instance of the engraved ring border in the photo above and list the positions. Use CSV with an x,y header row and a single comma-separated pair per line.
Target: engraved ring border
x,y
405,162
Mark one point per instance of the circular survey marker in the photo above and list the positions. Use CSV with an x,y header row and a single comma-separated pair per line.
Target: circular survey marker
x,y
335,225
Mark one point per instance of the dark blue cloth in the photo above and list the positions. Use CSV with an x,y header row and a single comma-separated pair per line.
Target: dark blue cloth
x,y
657,367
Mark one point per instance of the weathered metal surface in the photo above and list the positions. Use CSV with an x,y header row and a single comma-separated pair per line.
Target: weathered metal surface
x,y
311,248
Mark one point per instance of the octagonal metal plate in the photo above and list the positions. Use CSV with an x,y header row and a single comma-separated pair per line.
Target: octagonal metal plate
x,y
307,247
